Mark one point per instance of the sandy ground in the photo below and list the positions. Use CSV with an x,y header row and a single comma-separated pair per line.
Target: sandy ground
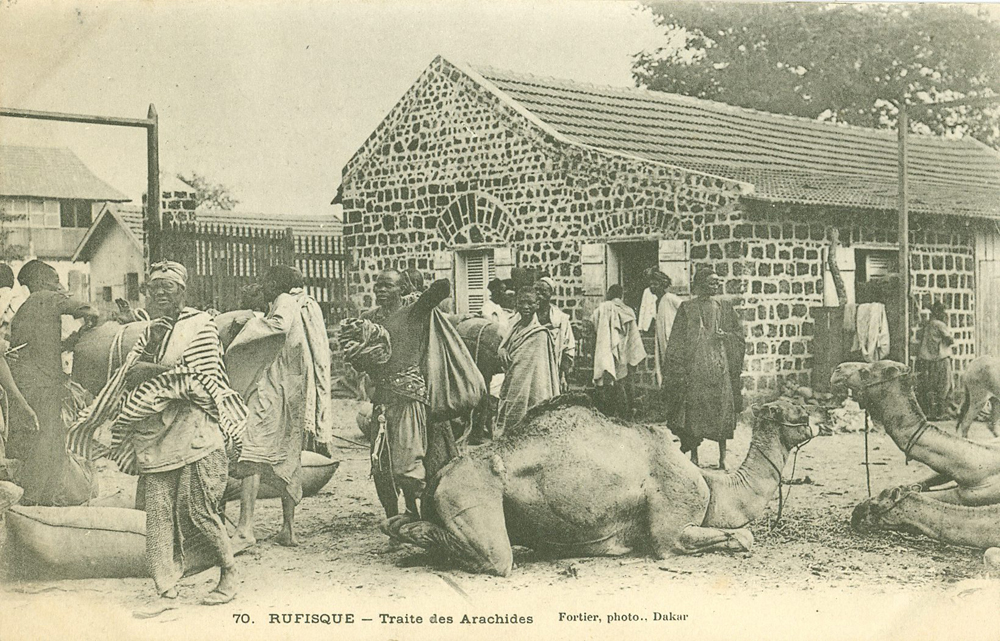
x,y
810,578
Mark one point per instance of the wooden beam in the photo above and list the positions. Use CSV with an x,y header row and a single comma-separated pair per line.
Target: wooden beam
x,y
64,117
153,195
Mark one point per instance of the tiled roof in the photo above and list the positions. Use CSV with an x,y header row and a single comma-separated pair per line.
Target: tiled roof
x,y
45,172
131,215
301,225
786,159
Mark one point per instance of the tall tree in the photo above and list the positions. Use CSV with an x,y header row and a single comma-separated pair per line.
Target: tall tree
x,y
214,195
846,63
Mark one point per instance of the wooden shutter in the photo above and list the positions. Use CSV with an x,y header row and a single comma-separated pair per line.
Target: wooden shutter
x,y
593,257
475,270
444,266
504,261
674,261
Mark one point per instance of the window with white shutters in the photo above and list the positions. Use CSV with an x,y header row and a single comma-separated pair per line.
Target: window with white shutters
x,y
475,271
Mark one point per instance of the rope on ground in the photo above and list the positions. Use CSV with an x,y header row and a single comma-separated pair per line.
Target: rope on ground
x,y
341,438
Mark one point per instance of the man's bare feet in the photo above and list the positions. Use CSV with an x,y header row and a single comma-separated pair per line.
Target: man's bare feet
x,y
226,590
242,541
286,537
169,594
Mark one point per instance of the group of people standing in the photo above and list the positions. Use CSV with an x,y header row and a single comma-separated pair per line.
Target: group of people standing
x,y
188,406
699,347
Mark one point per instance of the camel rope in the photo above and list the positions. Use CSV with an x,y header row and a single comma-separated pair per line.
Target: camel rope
x,y
782,497
913,440
868,469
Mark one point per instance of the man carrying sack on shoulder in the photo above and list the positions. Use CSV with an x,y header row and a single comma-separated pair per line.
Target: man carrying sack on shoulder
x,y
403,348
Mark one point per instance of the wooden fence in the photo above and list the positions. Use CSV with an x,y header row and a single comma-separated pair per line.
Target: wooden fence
x,y
223,259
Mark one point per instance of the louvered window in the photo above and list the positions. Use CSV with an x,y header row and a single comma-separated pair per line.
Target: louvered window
x,y
475,271
879,265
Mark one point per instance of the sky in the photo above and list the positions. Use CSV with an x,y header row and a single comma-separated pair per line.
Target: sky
x,y
272,98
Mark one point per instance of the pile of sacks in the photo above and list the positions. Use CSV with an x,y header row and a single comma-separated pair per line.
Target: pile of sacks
x,y
831,413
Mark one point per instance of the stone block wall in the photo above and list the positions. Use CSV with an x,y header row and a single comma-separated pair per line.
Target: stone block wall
x,y
943,268
455,166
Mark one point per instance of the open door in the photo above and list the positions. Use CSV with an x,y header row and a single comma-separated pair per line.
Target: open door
x,y
675,262
594,258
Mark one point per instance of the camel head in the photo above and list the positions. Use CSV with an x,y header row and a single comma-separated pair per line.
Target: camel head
x,y
879,513
862,377
790,421
468,493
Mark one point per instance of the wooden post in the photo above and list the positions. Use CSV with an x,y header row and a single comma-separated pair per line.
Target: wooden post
x,y
153,196
150,124
904,231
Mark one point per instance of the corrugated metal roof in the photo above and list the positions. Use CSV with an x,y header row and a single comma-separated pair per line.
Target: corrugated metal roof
x,y
786,158
48,172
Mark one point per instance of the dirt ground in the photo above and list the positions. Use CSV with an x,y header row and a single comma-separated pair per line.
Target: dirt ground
x,y
812,571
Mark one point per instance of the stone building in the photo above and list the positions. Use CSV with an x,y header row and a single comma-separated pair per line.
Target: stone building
x,y
475,171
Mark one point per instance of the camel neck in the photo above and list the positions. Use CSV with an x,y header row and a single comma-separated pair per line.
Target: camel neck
x,y
759,475
895,408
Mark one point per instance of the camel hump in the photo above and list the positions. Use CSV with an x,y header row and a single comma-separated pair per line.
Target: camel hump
x,y
572,399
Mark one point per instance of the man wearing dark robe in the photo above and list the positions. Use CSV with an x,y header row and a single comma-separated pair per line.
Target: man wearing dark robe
x,y
702,368
399,431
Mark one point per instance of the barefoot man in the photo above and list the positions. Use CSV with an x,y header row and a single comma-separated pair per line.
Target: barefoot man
x,y
401,396
172,412
290,400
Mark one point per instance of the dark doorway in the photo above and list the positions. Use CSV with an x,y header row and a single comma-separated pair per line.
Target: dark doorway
x,y
626,264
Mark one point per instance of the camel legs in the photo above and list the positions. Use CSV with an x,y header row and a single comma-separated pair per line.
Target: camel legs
x,y
974,403
696,540
672,526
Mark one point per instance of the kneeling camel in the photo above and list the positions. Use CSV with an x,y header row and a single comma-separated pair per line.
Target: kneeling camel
x,y
966,514
568,481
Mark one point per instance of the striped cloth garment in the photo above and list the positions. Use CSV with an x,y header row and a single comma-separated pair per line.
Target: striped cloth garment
x,y
198,376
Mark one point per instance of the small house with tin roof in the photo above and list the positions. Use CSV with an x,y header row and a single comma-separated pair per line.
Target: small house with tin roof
x,y
55,198
477,170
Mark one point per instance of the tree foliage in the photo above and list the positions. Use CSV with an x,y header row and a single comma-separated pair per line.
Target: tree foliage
x,y
845,63
208,193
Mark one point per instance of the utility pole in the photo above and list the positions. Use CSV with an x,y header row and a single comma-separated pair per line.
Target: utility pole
x,y
151,125
903,125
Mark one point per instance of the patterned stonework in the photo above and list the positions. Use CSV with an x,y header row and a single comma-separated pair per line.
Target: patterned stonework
x,y
454,165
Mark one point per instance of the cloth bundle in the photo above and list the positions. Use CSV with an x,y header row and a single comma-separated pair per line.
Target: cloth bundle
x,y
365,344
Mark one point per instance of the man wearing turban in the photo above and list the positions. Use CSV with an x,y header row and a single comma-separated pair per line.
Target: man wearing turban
x,y
173,414
702,368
